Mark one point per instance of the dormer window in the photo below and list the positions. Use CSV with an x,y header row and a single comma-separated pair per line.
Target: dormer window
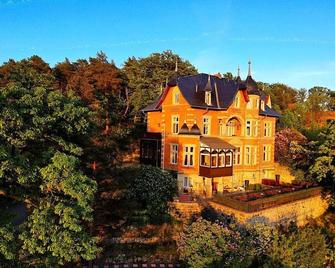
x,y
208,98
262,105
176,98
237,102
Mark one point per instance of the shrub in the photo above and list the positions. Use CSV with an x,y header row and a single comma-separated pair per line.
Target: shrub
x,y
153,188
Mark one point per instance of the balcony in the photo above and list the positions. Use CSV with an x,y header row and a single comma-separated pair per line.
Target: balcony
x,y
216,157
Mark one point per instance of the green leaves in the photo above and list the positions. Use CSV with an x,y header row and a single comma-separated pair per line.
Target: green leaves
x,y
40,164
153,188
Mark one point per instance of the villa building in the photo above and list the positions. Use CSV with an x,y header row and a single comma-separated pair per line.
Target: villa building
x,y
216,134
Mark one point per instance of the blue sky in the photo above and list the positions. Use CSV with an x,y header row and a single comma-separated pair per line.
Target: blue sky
x,y
288,41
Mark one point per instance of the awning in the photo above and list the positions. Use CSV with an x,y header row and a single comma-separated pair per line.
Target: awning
x,y
216,143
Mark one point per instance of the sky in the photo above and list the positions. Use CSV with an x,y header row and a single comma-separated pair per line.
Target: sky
x,y
290,41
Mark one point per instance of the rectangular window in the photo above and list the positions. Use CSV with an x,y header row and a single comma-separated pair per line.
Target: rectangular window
x,y
208,99
189,156
204,160
267,129
174,154
255,128
254,155
237,102
221,159
176,98
237,156
250,155
262,105
228,159
257,104
221,127
205,126
214,160
187,182
247,155
266,153
175,124
249,104
248,128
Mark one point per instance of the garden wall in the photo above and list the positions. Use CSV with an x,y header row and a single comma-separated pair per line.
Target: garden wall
x,y
299,211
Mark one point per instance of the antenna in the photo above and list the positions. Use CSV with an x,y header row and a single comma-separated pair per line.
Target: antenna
x,y
238,70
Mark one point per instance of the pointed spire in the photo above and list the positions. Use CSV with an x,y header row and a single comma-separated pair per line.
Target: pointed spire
x,y
208,86
249,68
238,71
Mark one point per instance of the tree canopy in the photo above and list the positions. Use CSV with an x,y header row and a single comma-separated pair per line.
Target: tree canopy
x,y
40,166
148,76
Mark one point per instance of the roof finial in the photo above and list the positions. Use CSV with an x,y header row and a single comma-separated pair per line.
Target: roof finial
x,y
238,70
249,68
176,68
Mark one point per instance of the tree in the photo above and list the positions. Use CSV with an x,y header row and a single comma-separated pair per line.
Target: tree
x,y
222,242
203,244
102,86
282,96
40,166
323,168
305,248
153,188
290,148
148,76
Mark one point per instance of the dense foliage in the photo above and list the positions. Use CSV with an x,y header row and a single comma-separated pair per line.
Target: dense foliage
x,y
205,243
40,166
148,76
153,188
64,130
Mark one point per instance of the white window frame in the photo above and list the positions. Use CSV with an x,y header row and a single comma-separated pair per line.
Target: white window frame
x,y
267,153
238,152
223,156
257,103
249,104
188,183
176,98
237,101
206,125
208,97
247,155
216,159
267,129
187,153
254,155
174,153
205,154
221,127
255,128
230,163
248,123
175,124
262,105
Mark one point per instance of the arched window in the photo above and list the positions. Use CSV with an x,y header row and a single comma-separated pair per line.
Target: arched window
x,y
233,127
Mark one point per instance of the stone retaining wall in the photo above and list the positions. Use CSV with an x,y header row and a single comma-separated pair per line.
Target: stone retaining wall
x,y
299,211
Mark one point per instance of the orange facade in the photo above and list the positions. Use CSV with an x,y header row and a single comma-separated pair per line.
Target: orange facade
x,y
241,126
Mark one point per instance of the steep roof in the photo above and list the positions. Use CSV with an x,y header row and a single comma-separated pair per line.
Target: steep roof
x,y
223,91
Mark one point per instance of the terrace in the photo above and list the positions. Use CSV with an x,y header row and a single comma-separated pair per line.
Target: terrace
x,y
253,201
